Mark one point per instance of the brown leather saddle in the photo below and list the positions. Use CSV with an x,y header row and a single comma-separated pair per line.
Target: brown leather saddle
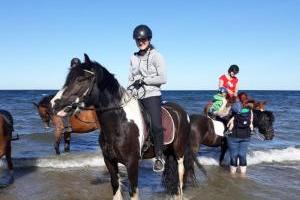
x,y
167,124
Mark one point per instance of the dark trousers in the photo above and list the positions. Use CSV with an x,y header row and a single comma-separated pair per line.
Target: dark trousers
x,y
153,107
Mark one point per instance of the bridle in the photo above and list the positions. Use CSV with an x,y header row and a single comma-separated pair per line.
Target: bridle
x,y
79,104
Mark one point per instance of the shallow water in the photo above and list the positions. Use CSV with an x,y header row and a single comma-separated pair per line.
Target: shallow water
x,y
273,172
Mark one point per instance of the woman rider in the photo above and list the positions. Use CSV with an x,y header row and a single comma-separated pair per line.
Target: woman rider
x,y
147,74
230,81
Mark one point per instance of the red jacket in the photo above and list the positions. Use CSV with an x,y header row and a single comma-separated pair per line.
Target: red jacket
x,y
230,85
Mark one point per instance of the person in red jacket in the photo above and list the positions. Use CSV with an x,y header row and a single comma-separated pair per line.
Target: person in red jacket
x,y
230,81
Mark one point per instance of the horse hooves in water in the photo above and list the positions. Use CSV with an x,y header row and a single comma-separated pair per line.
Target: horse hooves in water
x,y
4,182
67,149
56,150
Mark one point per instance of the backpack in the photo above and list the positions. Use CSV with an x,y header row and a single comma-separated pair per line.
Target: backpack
x,y
242,120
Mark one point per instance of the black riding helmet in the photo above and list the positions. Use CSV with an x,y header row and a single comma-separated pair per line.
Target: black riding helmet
x,y
75,62
234,68
142,32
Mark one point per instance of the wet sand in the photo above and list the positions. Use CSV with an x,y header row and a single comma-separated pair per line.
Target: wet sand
x,y
262,182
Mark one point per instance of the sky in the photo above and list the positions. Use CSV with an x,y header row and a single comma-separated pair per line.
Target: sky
x,y
198,39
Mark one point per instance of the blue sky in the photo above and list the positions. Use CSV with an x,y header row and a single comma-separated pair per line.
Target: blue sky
x,y
199,40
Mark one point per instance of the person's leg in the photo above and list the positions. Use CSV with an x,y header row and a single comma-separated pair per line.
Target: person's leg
x,y
244,144
233,151
153,107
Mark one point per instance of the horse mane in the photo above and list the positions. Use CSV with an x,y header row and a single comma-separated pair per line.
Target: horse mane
x,y
104,79
46,100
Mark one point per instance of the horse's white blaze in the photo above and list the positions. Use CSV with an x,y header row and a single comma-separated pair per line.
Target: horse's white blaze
x,y
135,195
134,113
180,173
57,96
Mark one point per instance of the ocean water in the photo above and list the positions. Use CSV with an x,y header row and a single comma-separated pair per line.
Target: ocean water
x,y
274,166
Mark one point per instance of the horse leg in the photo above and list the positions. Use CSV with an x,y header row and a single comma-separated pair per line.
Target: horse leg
x,y
133,173
57,135
224,148
67,139
114,178
180,176
9,162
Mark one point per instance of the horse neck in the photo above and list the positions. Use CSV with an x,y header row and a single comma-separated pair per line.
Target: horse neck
x,y
255,117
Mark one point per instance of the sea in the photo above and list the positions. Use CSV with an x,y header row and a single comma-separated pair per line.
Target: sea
x,y
273,166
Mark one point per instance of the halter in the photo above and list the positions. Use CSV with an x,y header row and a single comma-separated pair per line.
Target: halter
x,y
79,106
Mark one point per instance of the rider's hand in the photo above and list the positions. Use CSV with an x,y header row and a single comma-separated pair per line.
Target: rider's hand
x,y
138,83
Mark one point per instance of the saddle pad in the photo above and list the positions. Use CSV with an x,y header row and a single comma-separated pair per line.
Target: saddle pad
x,y
218,127
168,126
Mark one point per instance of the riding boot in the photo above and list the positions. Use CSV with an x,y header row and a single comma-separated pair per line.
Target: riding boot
x,y
159,163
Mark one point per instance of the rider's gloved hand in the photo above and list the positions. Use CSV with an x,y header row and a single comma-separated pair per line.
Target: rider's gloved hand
x,y
138,83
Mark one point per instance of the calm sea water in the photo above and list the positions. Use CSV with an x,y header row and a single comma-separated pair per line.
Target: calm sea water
x,y
278,159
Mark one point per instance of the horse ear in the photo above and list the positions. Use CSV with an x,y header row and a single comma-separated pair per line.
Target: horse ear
x,y
86,58
35,104
264,102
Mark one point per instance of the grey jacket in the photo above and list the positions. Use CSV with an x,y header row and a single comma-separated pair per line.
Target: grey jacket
x,y
151,68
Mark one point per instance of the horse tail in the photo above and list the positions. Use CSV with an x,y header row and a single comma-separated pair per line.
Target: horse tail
x,y
188,162
170,178
190,158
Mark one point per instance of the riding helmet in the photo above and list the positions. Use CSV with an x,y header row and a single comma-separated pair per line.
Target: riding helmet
x,y
142,32
234,68
222,90
75,62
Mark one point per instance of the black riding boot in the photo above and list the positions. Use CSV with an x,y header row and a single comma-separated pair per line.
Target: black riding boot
x,y
159,164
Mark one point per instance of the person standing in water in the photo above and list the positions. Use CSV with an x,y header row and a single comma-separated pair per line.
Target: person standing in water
x,y
147,74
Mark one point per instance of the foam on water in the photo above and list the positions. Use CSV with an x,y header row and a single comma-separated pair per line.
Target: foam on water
x,y
96,160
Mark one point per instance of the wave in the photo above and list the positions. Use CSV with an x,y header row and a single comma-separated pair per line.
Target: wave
x,y
96,160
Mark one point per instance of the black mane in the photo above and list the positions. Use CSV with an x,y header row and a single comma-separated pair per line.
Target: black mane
x,y
46,100
105,81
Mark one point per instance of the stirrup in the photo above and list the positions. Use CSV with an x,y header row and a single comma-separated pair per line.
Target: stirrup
x,y
162,162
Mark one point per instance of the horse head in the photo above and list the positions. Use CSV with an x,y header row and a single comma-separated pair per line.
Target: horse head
x,y
264,120
43,108
87,84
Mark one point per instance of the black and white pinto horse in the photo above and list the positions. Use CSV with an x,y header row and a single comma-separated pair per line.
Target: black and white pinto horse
x,y
209,132
122,127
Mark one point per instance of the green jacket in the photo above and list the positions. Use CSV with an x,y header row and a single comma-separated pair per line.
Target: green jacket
x,y
217,102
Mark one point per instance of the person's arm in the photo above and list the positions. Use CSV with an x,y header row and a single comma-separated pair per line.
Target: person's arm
x,y
160,77
221,83
236,89
130,76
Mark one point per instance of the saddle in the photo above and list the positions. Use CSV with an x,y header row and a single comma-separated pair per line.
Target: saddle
x,y
167,124
8,118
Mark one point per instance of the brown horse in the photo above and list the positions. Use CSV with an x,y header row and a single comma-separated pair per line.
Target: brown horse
x,y
123,132
84,121
6,129
203,132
